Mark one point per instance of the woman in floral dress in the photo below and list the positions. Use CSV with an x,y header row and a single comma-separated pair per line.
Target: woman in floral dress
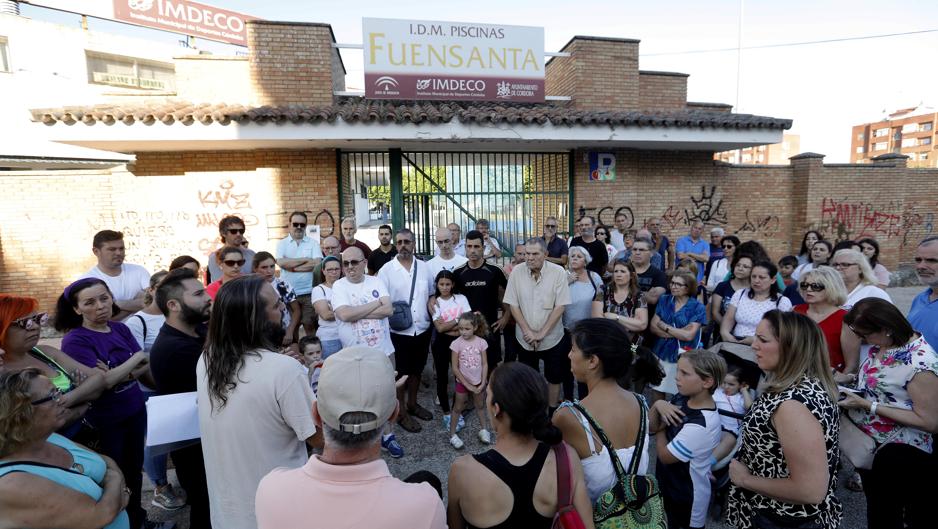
x,y
898,408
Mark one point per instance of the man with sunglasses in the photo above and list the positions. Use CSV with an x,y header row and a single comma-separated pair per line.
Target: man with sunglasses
x,y
362,305
231,230
298,254
403,275
556,247
127,282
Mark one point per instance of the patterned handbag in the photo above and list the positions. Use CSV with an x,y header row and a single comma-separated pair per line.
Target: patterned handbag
x,y
634,501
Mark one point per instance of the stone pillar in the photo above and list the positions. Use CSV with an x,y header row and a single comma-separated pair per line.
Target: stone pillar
x,y
806,170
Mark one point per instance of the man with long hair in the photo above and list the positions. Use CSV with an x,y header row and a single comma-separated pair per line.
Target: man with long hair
x,y
254,403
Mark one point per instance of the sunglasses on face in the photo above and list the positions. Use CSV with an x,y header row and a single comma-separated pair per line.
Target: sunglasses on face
x,y
236,231
233,263
299,224
32,322
550,226
728,246
404,243
841,266
812,287
675,284
54,396
354,262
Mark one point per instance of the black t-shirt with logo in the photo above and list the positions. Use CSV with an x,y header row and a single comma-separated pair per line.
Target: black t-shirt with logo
x,y
652,278
480,286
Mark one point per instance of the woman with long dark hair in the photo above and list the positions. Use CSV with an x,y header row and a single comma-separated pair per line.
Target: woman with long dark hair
x,y
117,422
601,355
502,488
747,306
869,247
820,254
807,242
254,403
624,301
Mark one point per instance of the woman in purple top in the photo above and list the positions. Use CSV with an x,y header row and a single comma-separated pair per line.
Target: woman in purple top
x,y
117,420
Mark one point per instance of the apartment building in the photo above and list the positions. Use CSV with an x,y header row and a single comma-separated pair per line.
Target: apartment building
x,y
909,131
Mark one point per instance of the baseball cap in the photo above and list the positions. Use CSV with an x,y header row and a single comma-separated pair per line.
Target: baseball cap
x,y
356,379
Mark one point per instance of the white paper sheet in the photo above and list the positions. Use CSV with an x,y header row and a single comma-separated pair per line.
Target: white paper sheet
x,y
172,418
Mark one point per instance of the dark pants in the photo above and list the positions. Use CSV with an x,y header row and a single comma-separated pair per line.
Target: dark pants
x,y
493,354
889,504
442,358
123,441
190,469
678,513
556,361
511,343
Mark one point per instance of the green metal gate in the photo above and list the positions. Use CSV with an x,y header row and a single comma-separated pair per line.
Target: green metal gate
x,y
422,191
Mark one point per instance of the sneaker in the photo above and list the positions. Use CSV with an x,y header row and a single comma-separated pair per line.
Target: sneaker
x,y
456,442
153,524
420,412
485,436
448,419
165,497
390,445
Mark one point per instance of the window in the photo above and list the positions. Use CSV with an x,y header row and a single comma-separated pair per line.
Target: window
x,y
115,70
881,132
910,127
861,136
881,146
4,55
860,150
924,127
924,141
909,142
923,156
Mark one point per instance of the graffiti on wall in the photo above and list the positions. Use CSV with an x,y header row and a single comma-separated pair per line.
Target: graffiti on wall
x,y
606,215
844,219
757,226
706,208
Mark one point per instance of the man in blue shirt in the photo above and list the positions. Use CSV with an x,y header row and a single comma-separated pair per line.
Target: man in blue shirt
x,y
298,254
924,312
693,247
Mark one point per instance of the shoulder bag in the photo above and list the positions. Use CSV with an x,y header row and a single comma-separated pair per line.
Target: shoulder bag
x,y
566,516
858,447
634,501
402,318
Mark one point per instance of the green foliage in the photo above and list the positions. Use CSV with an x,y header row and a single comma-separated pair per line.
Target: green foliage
x,y
414,181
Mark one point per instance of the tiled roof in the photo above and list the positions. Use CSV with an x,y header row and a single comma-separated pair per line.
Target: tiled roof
x,y
357,109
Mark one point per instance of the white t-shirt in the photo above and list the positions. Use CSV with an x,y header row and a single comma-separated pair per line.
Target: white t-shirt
x,y
733,403
865,291
749,312
397,280
328,330
438,264
263,426
802,270
153,324
366,331
718,271
132,279
450,309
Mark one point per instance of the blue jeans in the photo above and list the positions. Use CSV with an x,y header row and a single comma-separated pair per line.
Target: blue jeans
x,y
154,466
330,347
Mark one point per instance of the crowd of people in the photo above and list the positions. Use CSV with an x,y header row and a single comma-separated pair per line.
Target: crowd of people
x,y
749,376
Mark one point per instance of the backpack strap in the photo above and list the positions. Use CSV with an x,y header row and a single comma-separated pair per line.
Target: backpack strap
x,y
564,477
144,323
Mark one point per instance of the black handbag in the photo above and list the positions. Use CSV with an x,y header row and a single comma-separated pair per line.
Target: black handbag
x,y
402,318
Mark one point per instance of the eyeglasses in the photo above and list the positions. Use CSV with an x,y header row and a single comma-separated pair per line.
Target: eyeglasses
x,y
812,287
354,262
863,335
232,262
32,322
550,226
330,248
236,231
729,246
675,284
442,241
403,243
331,269
55,395
841,266
299,224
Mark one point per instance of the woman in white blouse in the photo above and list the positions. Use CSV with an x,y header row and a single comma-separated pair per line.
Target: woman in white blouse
x,y
858,277
748,305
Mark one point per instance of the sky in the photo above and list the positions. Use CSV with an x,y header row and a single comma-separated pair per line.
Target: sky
x,y
826,88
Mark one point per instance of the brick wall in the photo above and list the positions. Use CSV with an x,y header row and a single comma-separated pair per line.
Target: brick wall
x,y
601,73
662,90
293,63
167,205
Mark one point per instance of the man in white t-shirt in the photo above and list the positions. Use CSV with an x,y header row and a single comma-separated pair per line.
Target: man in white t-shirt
x,y
459,245
127,282
361,304
446,257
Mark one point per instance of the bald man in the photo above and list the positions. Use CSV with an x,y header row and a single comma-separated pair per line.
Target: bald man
x,y
447,258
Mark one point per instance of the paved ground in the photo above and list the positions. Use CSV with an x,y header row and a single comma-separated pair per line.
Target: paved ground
x,y
430,449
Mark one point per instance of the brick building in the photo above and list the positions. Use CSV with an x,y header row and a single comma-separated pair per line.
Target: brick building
x,y
910,131
269,133
774,154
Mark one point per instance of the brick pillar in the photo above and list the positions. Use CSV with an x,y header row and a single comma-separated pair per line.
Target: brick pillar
x,y
600,74
892,160
293,63
806,170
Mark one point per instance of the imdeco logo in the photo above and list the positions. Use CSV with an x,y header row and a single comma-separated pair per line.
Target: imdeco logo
x,y
140,5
